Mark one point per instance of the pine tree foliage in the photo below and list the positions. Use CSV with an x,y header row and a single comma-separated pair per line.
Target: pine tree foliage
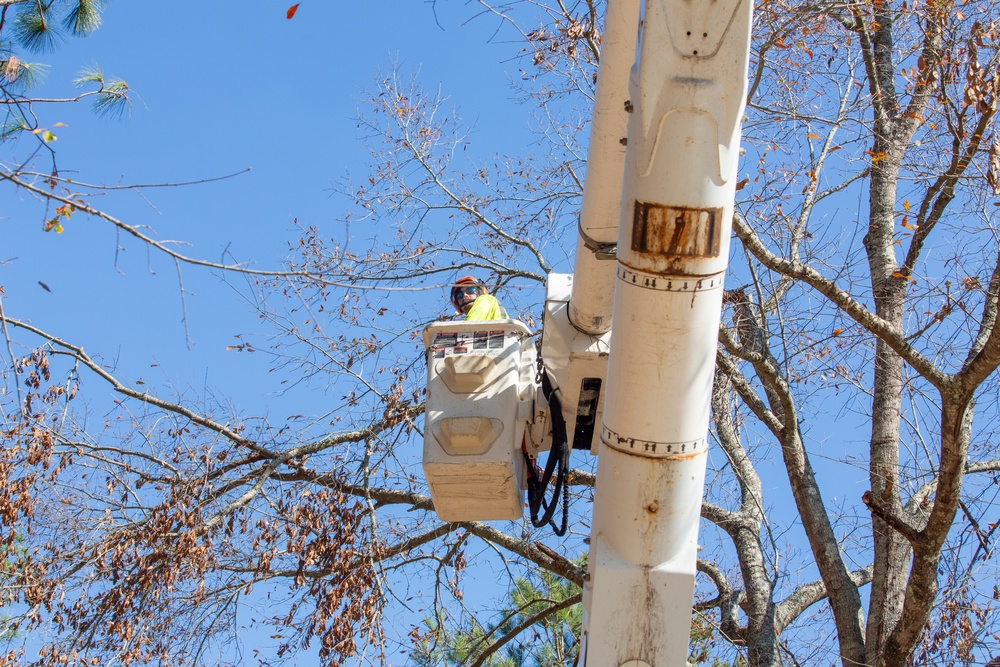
x,y
538,625
111,97
84,17
39,26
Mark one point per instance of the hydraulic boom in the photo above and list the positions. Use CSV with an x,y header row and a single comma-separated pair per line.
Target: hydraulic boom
x,y
686,100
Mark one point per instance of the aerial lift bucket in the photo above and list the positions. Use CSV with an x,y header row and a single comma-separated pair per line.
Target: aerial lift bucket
x,y
481,401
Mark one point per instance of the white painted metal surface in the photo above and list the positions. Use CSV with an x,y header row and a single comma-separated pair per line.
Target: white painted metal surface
x,y
687,92
578,307
593,291
573,359
480,397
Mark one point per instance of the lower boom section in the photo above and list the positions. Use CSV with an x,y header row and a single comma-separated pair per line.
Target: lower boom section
x,y
642,560
651,471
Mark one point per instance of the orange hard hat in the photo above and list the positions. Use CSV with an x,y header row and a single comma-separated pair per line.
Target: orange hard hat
x,y
462,282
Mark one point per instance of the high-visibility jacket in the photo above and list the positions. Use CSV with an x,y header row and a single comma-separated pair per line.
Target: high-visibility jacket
x,y
486,307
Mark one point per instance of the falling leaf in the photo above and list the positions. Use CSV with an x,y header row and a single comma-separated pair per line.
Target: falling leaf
x,y
44,286
291,10
897,274
812,136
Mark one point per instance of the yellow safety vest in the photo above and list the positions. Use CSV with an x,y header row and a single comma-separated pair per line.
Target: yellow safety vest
x,y
486,307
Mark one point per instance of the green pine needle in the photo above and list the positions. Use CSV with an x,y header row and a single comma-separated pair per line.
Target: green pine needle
x,y
113,95
84,18
32,27
113,100
20,75
92,74
12,126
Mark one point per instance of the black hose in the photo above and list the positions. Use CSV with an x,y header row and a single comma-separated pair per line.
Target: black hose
x,y
557,463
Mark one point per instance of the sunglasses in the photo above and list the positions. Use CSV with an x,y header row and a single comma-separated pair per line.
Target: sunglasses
x,y
460,291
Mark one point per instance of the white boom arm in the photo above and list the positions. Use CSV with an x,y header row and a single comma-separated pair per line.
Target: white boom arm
x,y
687,91
594,267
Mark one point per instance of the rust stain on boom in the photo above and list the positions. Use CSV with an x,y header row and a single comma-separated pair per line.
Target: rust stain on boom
x,y
676,231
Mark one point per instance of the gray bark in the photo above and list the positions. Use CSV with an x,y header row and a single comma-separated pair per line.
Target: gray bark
x,y
760,634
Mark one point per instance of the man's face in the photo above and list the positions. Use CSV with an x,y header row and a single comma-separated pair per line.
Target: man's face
x,y
465,296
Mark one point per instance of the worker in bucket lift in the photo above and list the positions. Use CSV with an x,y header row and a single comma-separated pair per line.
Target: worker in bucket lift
x,y
471,298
